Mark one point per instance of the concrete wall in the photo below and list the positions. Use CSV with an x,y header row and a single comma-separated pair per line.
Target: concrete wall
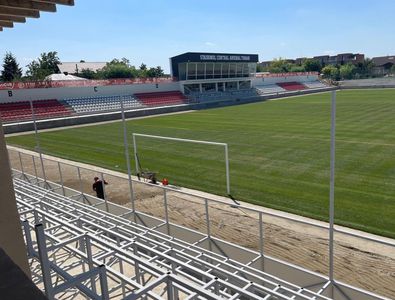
x,y
70,92
370,82
274,80
88,119
11,239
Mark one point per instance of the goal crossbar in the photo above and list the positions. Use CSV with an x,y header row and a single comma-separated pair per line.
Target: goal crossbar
x,y
225,145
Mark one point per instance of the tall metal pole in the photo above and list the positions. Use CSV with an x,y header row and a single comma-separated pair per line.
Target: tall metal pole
x,y
135,154
126,146
38,141
332,190
227,169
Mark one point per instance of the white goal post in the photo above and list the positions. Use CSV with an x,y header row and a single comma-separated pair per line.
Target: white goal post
x,y
225,145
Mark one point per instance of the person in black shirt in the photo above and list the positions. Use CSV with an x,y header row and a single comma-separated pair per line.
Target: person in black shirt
x,y
98,187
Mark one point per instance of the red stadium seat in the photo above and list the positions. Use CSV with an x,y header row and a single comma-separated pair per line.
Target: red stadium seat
x,y
292,86
43,109
161,98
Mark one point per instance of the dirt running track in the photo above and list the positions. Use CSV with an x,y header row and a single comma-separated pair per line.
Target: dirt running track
x,y
357,262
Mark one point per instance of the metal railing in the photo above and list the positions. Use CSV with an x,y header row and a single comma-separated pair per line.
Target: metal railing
x,y
119,257
259,259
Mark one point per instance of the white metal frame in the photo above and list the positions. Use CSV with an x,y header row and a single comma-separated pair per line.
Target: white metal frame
x,y
225,145
109,244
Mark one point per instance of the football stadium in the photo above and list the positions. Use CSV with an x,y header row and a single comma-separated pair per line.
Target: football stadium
x,y
215,182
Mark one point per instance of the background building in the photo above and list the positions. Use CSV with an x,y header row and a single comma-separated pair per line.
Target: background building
x,y
77,67
200,72
383,64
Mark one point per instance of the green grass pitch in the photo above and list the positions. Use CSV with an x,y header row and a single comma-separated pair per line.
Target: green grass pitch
x,y
279,153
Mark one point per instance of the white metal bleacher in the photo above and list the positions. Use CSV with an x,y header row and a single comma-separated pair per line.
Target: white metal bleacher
x,y
102,103
223,96
315,84
270,89
79,249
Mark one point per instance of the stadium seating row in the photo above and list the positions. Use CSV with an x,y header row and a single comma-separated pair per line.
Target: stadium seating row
x,y
19,111
223,96
162,98
270,89
103,103
292,86
288,86
140,100
315,85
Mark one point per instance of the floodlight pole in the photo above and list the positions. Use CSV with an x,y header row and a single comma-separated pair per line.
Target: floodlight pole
x,y
126,146
332,191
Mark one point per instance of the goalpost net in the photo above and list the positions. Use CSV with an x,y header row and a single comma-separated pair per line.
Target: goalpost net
x,y
165,138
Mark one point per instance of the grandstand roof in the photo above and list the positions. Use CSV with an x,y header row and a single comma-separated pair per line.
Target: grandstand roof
x,y
55,77
12,11
383,60
75,67
214,57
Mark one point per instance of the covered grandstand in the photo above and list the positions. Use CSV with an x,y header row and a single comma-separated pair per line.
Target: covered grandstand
x,y
213,72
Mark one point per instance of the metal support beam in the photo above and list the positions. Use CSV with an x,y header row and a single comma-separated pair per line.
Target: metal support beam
x,y
332,190
27,4
13,19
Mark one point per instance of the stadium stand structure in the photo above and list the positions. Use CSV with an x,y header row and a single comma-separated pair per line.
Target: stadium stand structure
x,y
269,89
371,82
102,103
292,86
76,241
79,245
223,96
19,111
161,98
314,85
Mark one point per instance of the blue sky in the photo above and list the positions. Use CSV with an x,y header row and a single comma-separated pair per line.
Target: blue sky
x,y
151,31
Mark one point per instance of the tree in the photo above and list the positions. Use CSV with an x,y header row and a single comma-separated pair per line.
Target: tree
x,y
280,66
393,69
142,72
331,72
364,69
295,68
311,65
347,71
159,71
11,70
119,69
87,73
143,67
45,65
